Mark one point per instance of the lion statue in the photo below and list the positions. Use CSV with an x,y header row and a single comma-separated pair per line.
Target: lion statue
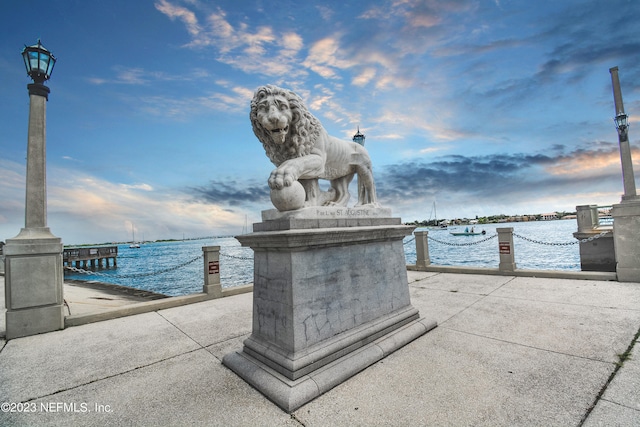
x,y
298,145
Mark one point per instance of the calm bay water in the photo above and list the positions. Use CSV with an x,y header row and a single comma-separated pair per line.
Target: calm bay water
x,y
528,255
163,266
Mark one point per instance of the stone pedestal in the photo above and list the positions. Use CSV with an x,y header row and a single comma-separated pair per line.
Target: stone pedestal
x,y
33,283
597,254
330,298
626,239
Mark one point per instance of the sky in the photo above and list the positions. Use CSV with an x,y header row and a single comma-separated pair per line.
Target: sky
x,y
479,107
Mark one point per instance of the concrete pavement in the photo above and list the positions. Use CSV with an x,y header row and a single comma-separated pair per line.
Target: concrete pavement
x,y
507,351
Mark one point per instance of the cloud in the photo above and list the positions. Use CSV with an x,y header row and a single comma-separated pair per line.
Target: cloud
x,y
87,209
12,186
138,76
326,13
513,177
261,50
186,108
142,186
603,159
183,14
325,56
233,193
364,77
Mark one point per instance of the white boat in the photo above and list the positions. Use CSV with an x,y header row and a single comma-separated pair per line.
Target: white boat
x,y
134,244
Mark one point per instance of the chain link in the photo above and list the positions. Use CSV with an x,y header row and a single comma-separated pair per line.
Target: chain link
x,y
409,241
81,271
237,257
575,242
463,244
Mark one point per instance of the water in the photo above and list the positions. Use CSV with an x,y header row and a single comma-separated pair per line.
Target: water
x,y
150,262
144,263
528,255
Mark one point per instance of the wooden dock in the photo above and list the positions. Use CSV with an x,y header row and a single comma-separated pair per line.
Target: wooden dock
x,y
94,257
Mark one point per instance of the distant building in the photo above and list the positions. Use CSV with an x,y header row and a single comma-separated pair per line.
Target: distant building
x,y
549,216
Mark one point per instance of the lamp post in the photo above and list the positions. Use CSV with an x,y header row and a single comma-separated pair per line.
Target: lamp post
x,y
626,214
358,138
33,259
622,125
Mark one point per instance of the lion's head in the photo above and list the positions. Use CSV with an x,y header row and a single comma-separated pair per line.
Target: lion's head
x,y
282,123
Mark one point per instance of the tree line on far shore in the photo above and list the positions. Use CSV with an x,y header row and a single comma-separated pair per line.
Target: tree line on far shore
x,y
493,219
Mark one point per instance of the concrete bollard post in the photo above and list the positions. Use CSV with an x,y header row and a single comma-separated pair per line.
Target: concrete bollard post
x,y
212,271
505,245
422,249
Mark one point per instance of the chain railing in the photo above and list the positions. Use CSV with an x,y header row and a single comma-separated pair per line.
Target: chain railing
x,y
539,242
150,273
237,257
134,275
573,242
506,236
477,242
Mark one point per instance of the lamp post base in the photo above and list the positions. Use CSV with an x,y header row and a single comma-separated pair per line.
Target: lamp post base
x,y
626,238
630,198
33,283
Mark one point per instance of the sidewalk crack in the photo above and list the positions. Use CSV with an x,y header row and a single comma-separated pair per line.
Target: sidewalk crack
x,y
622,357
482,298
526,345
179,329
109,376
298,420
621,405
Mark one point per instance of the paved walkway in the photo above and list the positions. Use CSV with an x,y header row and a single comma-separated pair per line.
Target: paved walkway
x,y
508,351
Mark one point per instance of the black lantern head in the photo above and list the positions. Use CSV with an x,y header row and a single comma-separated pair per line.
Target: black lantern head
x,y
622,122
359,137
39,62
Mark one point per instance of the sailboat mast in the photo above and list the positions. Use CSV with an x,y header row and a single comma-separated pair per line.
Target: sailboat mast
x,y
435,213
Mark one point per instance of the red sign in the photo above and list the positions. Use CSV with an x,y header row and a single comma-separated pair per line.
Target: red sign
x,y
505,247
214,267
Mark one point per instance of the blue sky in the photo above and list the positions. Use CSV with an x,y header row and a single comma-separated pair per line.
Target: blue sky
x,y
485,107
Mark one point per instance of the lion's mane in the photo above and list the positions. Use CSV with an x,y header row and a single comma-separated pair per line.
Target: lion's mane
x,y
303,131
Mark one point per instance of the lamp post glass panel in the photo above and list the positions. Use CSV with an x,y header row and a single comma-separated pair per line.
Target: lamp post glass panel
x,y
38,61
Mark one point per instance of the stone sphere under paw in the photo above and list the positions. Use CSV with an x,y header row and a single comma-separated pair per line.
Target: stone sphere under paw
x,y
288,198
